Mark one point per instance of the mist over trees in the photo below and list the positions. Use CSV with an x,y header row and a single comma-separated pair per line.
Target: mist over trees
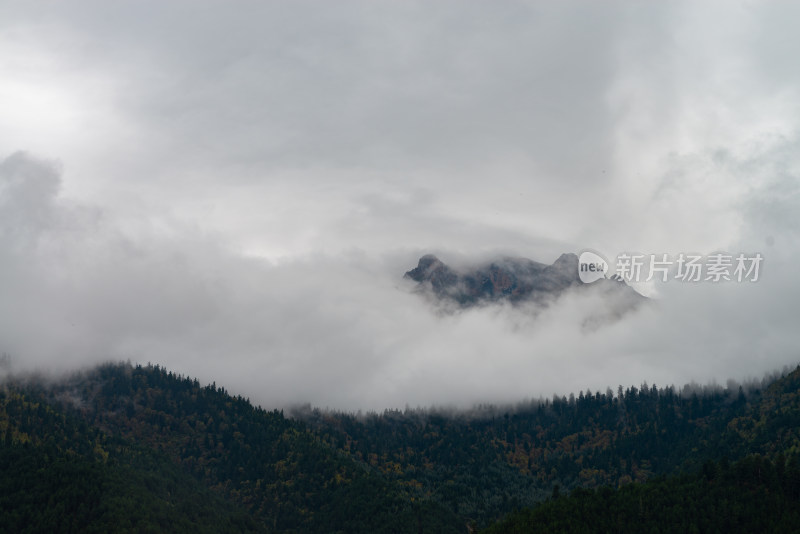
x,y
133,429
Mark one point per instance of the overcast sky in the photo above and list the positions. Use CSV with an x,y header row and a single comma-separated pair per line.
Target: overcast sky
x,y
234,190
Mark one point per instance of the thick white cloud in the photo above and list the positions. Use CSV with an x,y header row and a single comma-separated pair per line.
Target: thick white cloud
x,y
242,188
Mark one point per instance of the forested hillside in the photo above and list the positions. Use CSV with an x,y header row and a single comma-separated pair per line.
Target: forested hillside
x,y
270,465
752,495
482,467
141,447
60,474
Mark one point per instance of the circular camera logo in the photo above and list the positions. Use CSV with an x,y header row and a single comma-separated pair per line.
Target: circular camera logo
x,y
591,266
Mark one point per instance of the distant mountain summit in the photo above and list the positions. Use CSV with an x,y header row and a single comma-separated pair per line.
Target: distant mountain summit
x,y
513,279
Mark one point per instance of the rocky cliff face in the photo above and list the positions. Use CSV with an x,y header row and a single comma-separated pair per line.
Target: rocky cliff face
x,y
512,279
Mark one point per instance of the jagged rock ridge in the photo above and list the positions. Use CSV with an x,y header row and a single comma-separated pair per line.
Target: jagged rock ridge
x,y
512,279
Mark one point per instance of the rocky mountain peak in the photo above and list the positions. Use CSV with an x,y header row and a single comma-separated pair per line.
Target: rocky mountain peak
x,y
506,278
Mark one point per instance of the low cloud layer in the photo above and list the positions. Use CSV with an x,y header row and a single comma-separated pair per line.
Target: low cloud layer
x,y
235,193
344,331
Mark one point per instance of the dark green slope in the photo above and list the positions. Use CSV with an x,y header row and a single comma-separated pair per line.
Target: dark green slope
x,y
57,474
752,495
482,467
283,475
141,448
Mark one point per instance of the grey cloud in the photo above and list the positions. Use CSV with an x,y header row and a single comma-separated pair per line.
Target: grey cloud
x,y
28,188
271,85
346,331
242,189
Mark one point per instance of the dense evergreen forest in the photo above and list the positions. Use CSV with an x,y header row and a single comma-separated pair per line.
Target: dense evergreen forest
x,y
270,469
139,448
482,467
752,495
